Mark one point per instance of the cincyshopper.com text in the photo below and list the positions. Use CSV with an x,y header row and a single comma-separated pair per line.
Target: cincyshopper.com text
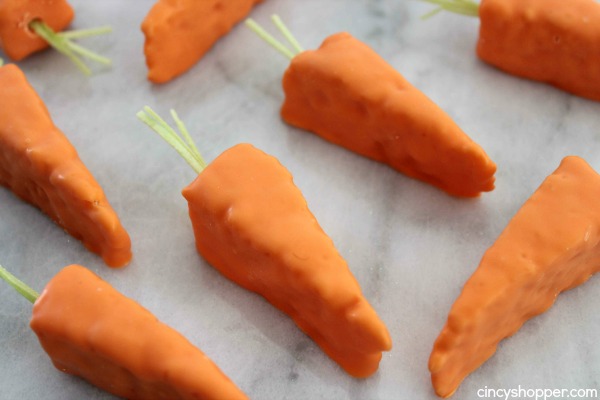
x,y
537,394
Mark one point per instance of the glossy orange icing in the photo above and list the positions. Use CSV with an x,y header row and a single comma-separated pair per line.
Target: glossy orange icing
x,y
553,41
16,39
253,225
179,32
39,164
552,244
92,331
348,95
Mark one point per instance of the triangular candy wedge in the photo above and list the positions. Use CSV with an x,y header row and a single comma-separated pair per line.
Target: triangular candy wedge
x,y
39,164
552,244
92,331
348,95
551,41
179,33
253,225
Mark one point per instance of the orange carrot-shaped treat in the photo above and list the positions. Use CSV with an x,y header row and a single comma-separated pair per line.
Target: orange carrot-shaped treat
x,y
92,331
552,244
39,164
16,37
179,33
348,95
28,26
253,225
552,41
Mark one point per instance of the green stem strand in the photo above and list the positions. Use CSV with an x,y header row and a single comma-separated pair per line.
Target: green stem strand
x,y
1,62
82,51
58,43
19,285
431,13
188,138
188,150
286,33
463,7
84,33
266,36
63,43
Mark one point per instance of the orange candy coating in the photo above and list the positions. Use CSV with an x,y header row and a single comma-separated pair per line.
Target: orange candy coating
x,y
39,164
551,245
16,38
179,32
253,225
90,330
348,95
552,41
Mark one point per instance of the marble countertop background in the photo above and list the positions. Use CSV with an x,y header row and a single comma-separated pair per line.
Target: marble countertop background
x,y
410,246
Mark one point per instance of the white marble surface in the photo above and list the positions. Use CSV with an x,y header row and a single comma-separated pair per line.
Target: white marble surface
x,y
410,246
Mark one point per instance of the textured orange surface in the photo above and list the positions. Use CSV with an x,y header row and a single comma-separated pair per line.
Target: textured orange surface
x,y
553,41
552,244
39,164
16,39
90,330
179,32
253,225
348,95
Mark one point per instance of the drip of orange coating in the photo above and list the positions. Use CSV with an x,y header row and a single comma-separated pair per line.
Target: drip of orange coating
x,y
551,245
92,331
348,95
39,164
253,225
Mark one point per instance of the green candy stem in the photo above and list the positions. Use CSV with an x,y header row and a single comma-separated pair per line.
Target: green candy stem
x,y
184,146
276,44
286,33
463,7
18,285
84,33
63,43
1,62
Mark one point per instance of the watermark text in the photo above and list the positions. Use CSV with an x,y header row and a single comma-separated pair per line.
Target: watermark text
x,y
537,394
